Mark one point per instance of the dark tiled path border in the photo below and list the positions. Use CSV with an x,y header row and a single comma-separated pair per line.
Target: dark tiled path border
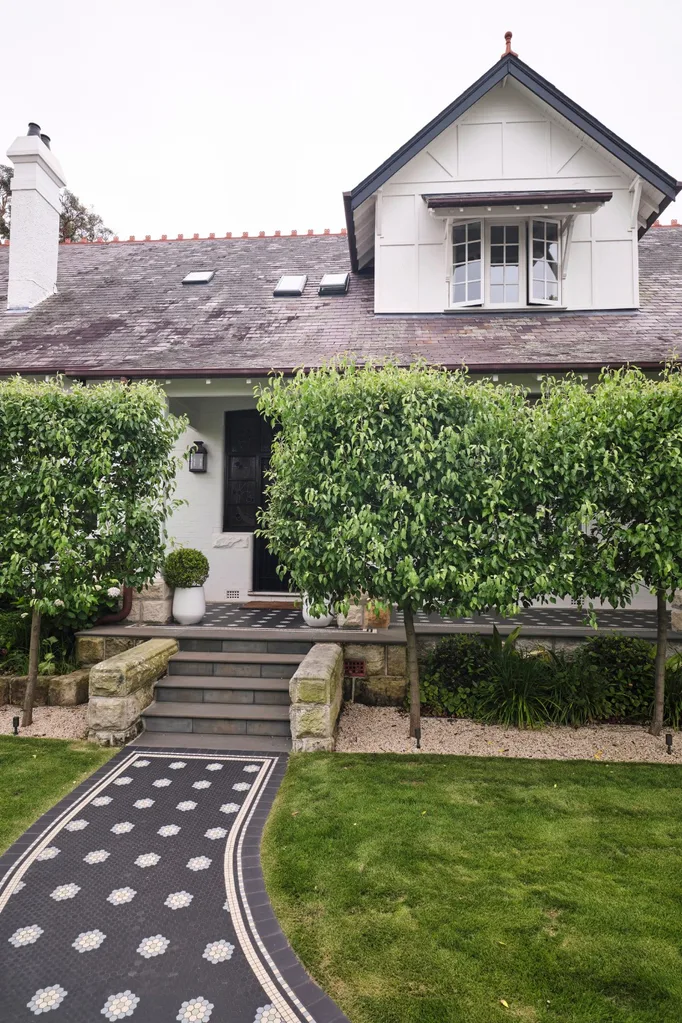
x,y
265,962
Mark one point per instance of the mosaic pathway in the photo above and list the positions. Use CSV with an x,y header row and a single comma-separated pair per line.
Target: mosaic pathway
x,y
141,896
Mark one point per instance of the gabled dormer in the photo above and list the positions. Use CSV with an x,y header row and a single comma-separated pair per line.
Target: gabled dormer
x,y
513,198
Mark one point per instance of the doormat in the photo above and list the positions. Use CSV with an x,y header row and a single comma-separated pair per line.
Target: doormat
x,y
274,605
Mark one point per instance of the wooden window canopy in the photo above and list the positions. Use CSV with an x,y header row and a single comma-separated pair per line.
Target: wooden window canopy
x,y
477,200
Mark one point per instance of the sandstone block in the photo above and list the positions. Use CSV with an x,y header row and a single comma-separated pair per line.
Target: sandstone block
x,y
69,690
354,619
313,745
135,668
118,644
17,690
311,720
396,660
676,617
158,589
90,649
318,674
373,654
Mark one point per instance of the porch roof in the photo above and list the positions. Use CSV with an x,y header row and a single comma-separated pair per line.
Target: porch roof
x,y
122,310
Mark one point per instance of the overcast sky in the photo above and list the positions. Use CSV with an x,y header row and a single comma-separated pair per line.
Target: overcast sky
x,y
215,115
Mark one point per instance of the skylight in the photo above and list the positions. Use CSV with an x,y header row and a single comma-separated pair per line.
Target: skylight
x,y
290,284
334,284
198,277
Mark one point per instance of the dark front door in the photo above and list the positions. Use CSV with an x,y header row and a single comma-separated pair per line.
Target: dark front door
x,y
248,439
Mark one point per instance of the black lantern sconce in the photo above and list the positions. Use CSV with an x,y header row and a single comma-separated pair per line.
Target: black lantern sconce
x,y
198,457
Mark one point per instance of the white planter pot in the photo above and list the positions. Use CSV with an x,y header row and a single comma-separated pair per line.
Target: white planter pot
x,y
189,604
316,623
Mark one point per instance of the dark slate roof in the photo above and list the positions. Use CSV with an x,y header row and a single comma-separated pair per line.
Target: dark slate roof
x,y
121,309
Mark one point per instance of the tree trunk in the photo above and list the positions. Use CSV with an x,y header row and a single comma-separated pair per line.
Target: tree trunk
x,y
412,672
33,656
661,650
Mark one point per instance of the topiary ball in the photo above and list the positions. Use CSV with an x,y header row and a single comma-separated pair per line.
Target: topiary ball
x,y
185,567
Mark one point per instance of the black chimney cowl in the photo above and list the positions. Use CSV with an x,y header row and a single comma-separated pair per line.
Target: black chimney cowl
x,y
46,140
33,128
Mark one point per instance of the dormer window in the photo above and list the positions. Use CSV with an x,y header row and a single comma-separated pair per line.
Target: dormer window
x,y
502,264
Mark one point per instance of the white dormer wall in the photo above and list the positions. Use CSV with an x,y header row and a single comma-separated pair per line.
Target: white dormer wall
x,y
508,141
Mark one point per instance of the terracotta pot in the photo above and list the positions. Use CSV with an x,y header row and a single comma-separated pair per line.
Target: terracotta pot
x,y
377,618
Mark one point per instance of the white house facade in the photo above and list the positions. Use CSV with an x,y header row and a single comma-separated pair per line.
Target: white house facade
x,y
514,234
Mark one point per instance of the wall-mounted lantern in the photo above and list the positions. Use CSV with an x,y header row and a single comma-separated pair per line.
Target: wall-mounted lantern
x,y
198,457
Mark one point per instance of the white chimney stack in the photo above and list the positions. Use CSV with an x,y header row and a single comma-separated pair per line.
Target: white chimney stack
x,y
34,225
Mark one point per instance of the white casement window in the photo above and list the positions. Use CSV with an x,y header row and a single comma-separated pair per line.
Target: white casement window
x,y
467,264
505,264
543,262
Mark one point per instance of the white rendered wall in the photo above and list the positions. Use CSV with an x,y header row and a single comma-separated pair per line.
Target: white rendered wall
x,y
199,523
506,141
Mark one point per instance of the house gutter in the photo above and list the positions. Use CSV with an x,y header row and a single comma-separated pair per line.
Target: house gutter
x,y
118,616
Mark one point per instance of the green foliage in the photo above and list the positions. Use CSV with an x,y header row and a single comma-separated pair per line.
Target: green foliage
x,y
185,567
76,223
610,678
86,485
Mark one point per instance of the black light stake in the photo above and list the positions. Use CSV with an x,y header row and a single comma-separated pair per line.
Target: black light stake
x,y
669,741
15,725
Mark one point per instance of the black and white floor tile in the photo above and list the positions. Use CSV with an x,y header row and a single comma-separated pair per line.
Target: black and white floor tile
x,y
141,896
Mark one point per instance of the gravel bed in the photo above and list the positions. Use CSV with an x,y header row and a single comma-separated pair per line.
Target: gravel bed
x,y
385,730
49,722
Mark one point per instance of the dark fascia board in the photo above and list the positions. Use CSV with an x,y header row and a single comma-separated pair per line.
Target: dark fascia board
x,y
445,200
525,75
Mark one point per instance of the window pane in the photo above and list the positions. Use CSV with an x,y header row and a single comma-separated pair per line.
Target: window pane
x,y
538,250
551,272
496,274
512,254
497,254
553,251
496,235
460,253
511,275
538,289
474,250
539,270
511,293
474,291
459,293
538,229
475,270
460,273
553,292
459,234
496,293
552,232
512,233
474,231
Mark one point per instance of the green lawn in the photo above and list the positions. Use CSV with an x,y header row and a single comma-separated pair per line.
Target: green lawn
x,y
35,774
427,889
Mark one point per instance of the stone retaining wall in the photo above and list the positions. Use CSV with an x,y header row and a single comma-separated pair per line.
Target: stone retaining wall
x,y
51,690
93,649
122,686
316,690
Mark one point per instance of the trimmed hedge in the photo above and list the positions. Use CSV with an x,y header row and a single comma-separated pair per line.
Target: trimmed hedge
x,y
185,567
609,678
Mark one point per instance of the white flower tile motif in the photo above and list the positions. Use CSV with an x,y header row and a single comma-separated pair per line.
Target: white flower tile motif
x,y
123,828
161,783
47,998
167,830
125,779
196,1010
199,863
178,900
241,786
120,1005
177,765
154,946
268,1014
214,767
101,801
49,853
229,808
218,951
186,804
141,763
120,896
215,833
147,860
18,886
251,768
97,856
25,936
88,941
64,891
226,907
201,785
143,804
76,825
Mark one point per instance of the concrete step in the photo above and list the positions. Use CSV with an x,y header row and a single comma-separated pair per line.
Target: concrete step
x,y
217,718
246,646
257,665
222,689
219,743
